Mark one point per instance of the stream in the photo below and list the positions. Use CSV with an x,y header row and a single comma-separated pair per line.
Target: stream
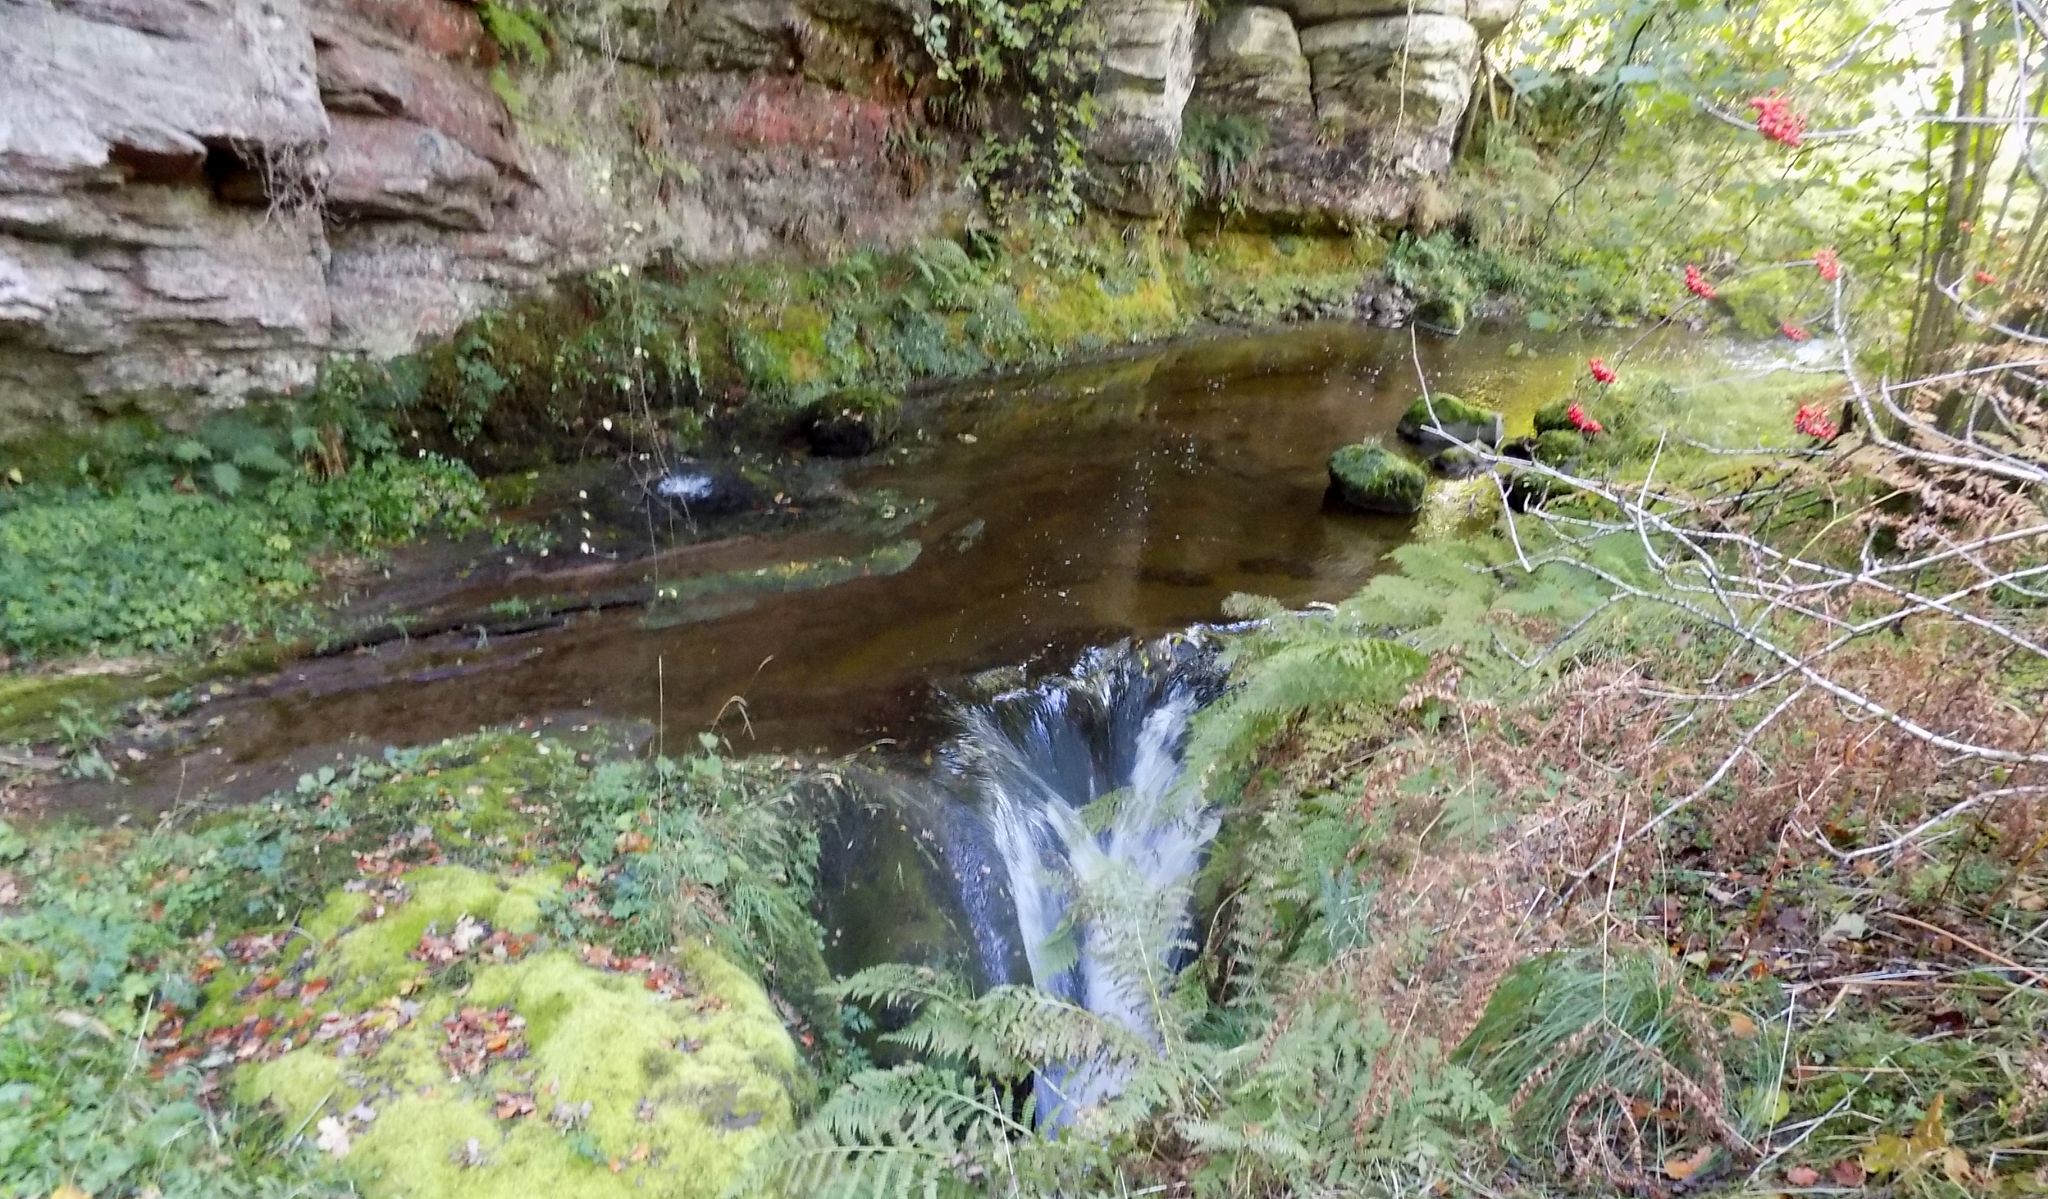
x,y
1042,514
1015,627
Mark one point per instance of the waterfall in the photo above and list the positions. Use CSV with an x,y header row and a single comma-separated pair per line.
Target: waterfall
x,y
1090,903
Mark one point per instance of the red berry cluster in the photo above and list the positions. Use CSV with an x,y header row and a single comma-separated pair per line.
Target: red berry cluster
x,y
1829,266
1813,421
1776,120
1986,278
1697,284
1793,332
1602,373
1583,423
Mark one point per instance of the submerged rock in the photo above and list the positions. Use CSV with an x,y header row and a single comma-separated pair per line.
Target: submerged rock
x,y
1464,422
850,423
1371,478
524,1072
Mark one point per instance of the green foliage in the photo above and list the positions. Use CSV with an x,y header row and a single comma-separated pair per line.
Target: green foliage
x,y
1216,152
1294,665
1024,70
520,31
152,569
707,848
76,1110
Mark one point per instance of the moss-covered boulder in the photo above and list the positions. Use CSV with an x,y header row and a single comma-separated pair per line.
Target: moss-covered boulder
x,y
1554,417
1462,421
1444,313
1556,447
1368,477
459,1056
1456,463
847,424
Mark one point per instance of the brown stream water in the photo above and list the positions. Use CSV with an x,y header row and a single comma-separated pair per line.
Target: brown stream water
x,y
1055,511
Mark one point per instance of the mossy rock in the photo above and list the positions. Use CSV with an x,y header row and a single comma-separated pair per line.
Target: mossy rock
x,y
1445,314
1555,447
1553,417
1371,478
367,959
680,1091
847,424
1462,421
1456,463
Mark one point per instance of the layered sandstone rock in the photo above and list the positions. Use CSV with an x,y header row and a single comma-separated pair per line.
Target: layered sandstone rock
x,y
1148,72
201,199
1255,64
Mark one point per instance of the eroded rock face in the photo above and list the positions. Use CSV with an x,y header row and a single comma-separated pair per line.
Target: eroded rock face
x,y
202,199
1405,76
1255,64
1148,72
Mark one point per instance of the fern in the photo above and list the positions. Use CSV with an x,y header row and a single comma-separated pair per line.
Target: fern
x,y
521,32
1318,665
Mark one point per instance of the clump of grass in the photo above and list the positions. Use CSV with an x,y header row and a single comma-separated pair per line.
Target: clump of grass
x,y
1612,1064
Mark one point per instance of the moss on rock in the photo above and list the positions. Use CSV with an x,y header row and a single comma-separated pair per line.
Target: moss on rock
x,y
1555,447
1371,478
1552,417
1461,420
634,1091
847,424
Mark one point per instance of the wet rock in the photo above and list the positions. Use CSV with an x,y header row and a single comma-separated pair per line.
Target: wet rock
x,y
1455,421
1444,314
1255,64
698,490
848,424
1368,477
1455,463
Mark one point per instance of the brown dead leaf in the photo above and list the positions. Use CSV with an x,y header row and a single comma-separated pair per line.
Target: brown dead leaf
x,y
1678,1169
1849,1173
1741,1027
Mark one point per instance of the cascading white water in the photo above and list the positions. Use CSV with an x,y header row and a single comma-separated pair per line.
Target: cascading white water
x,y
1099,913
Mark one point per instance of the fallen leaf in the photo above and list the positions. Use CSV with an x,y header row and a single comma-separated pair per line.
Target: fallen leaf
x,y
1678,1169
1802,1176
1849,926
333,1138
1849,1173
1741,1027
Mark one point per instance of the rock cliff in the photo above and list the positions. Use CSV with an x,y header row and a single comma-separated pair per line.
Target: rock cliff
x,y
203,199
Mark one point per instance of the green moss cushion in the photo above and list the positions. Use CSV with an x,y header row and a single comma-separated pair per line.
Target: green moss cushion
x,y
1465,422
1369,477
847,424
609,1088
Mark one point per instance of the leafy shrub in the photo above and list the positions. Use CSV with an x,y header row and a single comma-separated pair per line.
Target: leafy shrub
x,y
152,569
